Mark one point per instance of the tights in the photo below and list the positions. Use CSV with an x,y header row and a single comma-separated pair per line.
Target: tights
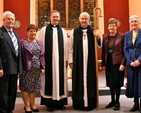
x,y
114,91
136,101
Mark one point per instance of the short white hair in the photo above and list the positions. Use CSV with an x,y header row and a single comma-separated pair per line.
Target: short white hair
x,y
84,13
134,17
7,13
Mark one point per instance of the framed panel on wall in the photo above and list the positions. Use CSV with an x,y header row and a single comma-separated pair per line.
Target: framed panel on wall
x,y
89,5
69,11
74,11
60,6
43,12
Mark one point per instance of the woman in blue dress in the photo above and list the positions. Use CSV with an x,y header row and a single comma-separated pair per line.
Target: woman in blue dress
x,y
132,50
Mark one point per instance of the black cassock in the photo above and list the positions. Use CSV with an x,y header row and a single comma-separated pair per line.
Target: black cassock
x,y
77,74
49,102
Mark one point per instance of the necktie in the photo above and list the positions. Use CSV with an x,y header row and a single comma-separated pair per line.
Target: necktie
x,y
14,41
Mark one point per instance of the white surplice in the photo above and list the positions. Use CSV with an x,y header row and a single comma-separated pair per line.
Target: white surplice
x,y
55,65
85,62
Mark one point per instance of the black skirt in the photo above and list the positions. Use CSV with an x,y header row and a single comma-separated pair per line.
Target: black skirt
x,y
114,77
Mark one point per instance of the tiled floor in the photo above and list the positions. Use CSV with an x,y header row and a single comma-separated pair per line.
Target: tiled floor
x,y
126,103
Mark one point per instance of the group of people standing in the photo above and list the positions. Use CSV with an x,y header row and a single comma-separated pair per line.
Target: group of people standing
x,y
41,64
23,59
59,53
120,50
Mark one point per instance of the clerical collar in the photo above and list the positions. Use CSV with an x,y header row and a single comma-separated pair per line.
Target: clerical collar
x,y
54,25
84,30
83,27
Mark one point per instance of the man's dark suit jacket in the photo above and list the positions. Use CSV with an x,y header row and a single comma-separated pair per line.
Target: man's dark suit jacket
x,y
118,55
9,62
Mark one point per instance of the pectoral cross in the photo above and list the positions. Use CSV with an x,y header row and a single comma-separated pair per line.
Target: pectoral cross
x,y
84,35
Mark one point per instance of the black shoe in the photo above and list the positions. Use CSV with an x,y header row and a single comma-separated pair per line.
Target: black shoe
x,y
35,110
111,104
134,108
49,108
140,109
61,107
117,107
27,111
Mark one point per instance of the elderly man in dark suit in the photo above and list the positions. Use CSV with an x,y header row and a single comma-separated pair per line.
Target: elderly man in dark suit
x,y
10,63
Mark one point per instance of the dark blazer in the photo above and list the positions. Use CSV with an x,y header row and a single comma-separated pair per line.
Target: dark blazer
x,y
9,62
132,51
27,54
118,55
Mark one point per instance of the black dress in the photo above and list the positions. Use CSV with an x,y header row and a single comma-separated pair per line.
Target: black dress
x,y
114,77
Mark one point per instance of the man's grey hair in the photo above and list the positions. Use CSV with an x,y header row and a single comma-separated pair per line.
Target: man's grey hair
x,y
84,13
7,13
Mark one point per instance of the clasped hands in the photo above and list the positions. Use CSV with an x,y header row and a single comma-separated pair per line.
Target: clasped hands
x,y
135,63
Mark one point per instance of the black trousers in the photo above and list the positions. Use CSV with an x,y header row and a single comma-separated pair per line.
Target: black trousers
x,y
8,91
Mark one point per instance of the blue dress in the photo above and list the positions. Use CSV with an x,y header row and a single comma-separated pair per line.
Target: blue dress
x,y
132,52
